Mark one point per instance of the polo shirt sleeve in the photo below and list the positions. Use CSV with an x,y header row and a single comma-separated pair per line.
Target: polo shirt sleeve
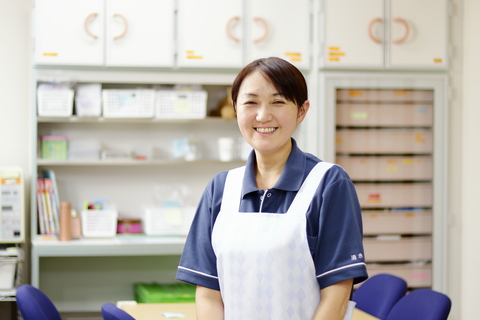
x,y
338,248
198,263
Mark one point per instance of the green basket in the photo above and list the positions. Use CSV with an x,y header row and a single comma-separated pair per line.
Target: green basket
x,y
164,293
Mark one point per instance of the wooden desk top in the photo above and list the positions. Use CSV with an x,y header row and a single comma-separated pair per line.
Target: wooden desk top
x,y
156,311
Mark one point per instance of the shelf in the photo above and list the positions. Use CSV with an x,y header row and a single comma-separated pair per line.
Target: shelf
x,y
128,245
126,162
75,119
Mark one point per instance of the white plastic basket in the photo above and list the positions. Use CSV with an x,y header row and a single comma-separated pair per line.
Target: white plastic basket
x,y
171,104
99,223
128,103
7,273
55,102
167,221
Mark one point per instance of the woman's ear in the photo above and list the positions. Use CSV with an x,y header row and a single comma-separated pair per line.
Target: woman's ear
x,y
302,111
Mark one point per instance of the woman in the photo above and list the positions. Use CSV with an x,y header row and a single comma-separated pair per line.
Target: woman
x,y
266,242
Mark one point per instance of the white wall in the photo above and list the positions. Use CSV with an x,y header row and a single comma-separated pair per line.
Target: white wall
x,y
14,84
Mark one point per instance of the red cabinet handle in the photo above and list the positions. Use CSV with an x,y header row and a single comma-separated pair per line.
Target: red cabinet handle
x,y
265,28
125,30
407,30
87,22
370,26
230,22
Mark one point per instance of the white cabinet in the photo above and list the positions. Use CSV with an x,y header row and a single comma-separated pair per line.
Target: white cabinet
x,y
104,33
390,34
242,31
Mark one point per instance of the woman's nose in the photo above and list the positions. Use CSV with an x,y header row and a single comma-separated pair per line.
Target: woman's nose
x,y
264,114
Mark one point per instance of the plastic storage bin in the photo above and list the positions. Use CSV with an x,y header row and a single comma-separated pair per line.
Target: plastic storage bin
x,y
395,195
384,95
99,223
172,104
7,273
397,222
55,102
167,221
164,293
416,276
398,249
128,103
54,147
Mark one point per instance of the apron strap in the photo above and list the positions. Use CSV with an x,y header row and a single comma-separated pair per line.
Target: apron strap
x,y
232,191
305,195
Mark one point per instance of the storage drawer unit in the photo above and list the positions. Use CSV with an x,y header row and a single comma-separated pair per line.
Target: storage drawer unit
x,y
384,115
397,222
386,141
398,249
384,95
401,195
416,276
387,168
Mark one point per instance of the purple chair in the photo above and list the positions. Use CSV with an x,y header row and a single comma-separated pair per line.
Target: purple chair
x,y
422,304
112,312
378,294
33,304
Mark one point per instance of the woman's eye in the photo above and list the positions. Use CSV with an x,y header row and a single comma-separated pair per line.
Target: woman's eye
x,y
279,102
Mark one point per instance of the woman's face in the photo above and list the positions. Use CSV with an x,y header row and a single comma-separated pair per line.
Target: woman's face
x,y
266,119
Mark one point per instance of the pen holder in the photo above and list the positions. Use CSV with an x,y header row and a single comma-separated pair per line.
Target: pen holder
x,y
99,223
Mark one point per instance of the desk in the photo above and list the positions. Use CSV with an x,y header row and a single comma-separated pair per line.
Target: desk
x,y
154,311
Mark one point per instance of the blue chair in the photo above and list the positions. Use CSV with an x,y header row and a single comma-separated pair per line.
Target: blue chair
x,y
33,304
421,304
379,293
112,312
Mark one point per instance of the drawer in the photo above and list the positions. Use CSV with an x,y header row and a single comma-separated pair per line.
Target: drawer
x,y
384,95
395,195
390,141
415,276
382,115
387,168
398,249
397,222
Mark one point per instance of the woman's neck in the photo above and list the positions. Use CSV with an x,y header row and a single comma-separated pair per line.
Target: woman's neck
x,y
269,167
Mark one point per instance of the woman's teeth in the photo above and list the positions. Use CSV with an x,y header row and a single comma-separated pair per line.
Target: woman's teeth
x,y
265,130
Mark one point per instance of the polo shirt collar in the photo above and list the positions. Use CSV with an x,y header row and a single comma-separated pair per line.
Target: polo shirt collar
x,y
291,178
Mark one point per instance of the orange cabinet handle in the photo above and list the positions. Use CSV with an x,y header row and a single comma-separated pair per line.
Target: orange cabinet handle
x,y
407,30
87,22
124,30
230,22
370,26
265,28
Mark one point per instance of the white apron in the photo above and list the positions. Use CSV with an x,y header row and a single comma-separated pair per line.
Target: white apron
x,y
265,268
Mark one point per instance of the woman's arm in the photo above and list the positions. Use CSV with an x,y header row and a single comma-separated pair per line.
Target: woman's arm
x,y
333,301
209,304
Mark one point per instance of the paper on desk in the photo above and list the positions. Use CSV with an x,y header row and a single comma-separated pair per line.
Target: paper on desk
x,y
173,315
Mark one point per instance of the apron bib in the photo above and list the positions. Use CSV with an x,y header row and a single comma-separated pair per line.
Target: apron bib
x,y
264,264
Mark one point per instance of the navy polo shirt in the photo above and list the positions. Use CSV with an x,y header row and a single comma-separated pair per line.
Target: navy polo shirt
x,y
334,221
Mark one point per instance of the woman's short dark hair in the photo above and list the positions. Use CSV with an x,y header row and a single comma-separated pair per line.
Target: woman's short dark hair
x,y
284,76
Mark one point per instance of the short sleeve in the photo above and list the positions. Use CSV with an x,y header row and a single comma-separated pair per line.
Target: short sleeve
x,y
338,243
198,263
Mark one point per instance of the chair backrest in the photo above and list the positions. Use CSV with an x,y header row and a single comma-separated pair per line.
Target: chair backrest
x,y
112,312
421,304
378,294
33,304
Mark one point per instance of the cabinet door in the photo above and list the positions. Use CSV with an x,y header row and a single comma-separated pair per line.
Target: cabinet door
x,y
353,34
139,33
418,38
279,28
68,32
210,33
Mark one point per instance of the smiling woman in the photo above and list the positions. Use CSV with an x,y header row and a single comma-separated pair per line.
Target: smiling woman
x,y
280,238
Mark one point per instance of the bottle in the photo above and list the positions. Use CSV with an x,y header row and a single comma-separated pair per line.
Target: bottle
x,y
76,225
65,222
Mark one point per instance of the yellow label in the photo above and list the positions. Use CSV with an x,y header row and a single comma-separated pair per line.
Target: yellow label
x,y
409,215
50,54
437,60
359,115
355,93
419,138
296,59
293,54
10,181
392,168
400,92
407,161
190,51
392,161
333,48
339,140
194,57
373,215
336,53
333,59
